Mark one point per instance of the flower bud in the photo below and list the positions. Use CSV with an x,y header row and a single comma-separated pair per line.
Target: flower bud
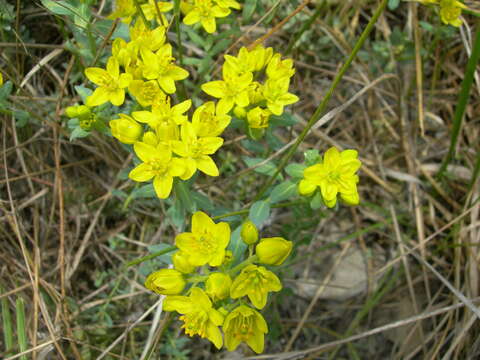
x,y
240,112
249,233
273,251
87,122
180,262
258,118
166,282
78,111
126,129
218,285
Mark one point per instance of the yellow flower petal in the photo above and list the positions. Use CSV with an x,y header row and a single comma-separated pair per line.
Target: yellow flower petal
x,y
141,173
206,165
100,96
163,186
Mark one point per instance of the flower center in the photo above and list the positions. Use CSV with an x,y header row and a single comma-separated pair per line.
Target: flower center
x,y
159,167
195,323
244,325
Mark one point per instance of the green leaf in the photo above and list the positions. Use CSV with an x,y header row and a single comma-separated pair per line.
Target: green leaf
x,y
119,193
268,168
58,7
83,92
78,133
295,170
165,258
177,215
248,10
219,46
311,157
202,202
283,191
21,118
393,4
144,192
317,201
259,212
182,191
286,119
5,90
196,39
236,246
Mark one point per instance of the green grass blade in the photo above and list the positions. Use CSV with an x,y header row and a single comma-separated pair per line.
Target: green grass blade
x,y
21,330
7,323
463,97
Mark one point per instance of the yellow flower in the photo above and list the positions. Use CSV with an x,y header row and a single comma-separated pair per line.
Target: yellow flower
x,y
126,129
142,38
180,262
247,325
160,66
196,151
232,90
150,10
249,232
166,282
276,93
199,317
273,251
146,92
1,79
78,111
278,68
186,6
218,285
255,282
228,4
258,118
111,84
205,12
162,111
208,122
207,241
450,12
335,175
157,164
123,9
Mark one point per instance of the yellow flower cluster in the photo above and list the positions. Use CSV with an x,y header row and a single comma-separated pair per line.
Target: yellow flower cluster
x,y
242,88
151,9
450,10
220,301
335,175
205,12
171,145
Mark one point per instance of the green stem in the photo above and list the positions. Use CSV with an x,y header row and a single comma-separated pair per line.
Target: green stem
x,y
463,97
142,15
243,264
323,105
182,92
246,211
151,256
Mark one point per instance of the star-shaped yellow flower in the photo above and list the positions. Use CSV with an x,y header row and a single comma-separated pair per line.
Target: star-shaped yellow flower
x,y
245,324
206,243
158,164
199,316
336,175
111,84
